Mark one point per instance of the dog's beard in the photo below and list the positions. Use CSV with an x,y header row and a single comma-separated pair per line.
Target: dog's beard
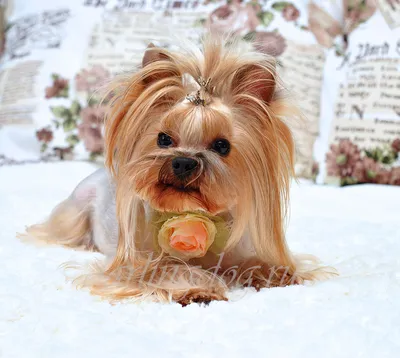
x,y
205,189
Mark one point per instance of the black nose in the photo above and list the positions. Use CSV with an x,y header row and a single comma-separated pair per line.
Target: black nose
x,y
183,166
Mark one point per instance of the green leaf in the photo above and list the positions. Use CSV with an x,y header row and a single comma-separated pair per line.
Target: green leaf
x,y
389,158
44,147
371,174
348,181
368,153
72,140
60,112
221,237
266,17
69,124
374,154
75,108
56,123
93,156
279,6
378,154
93,101
63,93
249,36
341,159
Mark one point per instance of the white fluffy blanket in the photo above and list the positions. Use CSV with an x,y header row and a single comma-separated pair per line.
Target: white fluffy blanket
x,y
356,229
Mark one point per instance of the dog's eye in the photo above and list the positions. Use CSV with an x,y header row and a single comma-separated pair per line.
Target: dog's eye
x,y
221,146
164,140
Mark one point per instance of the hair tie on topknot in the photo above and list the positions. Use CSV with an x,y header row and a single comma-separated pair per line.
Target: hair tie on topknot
x,y
196,98
204,83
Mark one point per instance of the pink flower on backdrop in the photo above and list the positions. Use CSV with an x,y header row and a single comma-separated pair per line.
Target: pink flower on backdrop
x,y
270,43
234,18
342,159
357,12
90,130
44,135
384,176
395,176
57,89
368,170
396,145
92,138
290,13
92,79
93,115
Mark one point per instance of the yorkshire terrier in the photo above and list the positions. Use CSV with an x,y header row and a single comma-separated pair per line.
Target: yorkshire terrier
x,y
200,130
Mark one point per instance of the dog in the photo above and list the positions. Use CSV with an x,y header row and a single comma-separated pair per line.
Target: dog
x,y
200,130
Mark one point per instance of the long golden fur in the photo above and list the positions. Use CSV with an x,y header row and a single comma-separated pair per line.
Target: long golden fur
x,y
244,103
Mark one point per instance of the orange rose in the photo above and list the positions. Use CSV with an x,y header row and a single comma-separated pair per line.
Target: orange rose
x,y
187,236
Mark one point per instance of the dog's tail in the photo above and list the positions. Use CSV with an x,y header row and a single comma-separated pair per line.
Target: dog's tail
x,y
68,225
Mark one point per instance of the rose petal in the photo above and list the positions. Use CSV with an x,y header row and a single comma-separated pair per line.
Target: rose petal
x,y
193,232
187,236
184,243
191,228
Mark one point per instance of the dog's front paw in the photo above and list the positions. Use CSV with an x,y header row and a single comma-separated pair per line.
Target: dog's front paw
x,y
259,275
200,296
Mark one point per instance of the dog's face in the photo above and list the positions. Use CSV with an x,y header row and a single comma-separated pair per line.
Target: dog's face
x,y
179,155
187,159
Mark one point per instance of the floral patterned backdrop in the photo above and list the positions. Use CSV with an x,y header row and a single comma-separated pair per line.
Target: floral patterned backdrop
x,y
76,121
81,121
358,166
73,99
365,131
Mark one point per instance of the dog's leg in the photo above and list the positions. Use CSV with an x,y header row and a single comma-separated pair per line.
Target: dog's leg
x,y
255,273
69,224
242,267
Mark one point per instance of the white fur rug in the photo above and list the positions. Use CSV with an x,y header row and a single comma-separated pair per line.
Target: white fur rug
x,y
356,229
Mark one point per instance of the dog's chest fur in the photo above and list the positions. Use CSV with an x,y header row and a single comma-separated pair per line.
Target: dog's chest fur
x,y
97,192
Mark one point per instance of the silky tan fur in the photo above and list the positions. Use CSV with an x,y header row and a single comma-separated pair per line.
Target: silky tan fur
x,y
243,103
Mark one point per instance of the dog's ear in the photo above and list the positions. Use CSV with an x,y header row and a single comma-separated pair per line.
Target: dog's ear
x,y
159,81
256,81
159,64
267,152
152,54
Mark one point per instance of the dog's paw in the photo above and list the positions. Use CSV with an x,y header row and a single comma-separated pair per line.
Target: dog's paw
x,y
200,296
257,274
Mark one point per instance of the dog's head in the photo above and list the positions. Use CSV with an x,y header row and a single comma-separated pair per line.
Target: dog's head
x,y
200,151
